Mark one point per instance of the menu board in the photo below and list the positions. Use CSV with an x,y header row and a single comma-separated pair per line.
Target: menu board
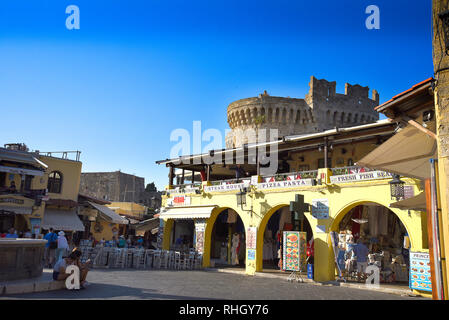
x,y
420,277
251,237
294,250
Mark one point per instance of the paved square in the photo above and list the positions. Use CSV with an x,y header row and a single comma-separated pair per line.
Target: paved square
x,y
197,285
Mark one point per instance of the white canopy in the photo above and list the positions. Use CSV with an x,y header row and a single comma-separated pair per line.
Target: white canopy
x,y
108,214
17,210
59,219
414,203
191,212
406,153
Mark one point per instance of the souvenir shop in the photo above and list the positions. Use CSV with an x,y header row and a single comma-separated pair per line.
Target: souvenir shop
x,y
280,221
228,240
371,234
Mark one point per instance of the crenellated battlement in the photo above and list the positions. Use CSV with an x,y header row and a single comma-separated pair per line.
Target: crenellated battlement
x,y
321,109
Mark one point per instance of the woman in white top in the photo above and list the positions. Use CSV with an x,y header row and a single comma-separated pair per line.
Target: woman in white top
x,y
63,246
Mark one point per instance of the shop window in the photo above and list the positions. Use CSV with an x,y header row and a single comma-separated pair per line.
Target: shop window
x,y
321,163
304,167
350,162
54,182
28,180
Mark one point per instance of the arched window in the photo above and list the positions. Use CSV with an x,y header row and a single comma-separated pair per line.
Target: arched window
x,y
54,182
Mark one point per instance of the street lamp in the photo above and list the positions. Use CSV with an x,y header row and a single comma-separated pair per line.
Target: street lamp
x,y
241,197
397,188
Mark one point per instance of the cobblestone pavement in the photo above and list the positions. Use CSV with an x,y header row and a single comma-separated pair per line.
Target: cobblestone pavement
x,y
166,284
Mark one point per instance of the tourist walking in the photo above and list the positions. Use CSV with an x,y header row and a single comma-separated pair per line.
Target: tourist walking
x,y
50,247
63,246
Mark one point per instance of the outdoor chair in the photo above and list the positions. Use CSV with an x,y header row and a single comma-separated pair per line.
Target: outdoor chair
x,y
164,259
177,263
198,261
149,255
157,259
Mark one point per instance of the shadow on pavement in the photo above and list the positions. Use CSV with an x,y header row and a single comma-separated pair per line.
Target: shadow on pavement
x,y
103,291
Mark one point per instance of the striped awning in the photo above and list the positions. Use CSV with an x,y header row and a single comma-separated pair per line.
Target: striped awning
x,y
191,212
59,219
148,224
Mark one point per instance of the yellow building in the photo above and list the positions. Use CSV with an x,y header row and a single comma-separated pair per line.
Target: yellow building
x,y
235,222
45,190
100,221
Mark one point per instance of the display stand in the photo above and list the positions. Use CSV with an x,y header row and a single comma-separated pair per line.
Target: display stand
x,y
293,254
334,240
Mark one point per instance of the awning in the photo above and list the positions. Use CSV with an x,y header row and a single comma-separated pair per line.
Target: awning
x,y
414,203
202,212
147,225
59,219
406,153
17,210
23,171
108,214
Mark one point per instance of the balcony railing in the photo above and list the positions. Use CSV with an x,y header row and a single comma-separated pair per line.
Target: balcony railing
x,y
291,179
350,170
310,174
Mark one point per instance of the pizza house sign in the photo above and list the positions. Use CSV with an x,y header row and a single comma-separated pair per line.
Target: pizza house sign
x,y
285,184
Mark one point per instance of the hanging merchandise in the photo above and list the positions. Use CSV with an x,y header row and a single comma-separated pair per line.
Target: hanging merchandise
x,y
232,216
286,217
382,217
235,249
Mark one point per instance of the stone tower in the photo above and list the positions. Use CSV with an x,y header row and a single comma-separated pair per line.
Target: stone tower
x,y
321,109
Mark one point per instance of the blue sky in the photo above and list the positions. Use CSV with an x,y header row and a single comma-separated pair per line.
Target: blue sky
x,y
136,70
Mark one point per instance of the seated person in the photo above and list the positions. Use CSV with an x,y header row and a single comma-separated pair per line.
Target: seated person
x,y
73,259
12,187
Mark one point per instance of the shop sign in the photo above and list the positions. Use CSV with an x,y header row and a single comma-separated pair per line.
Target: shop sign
x,y
285,184
251,237
35,225
185,190
420,278
224,187
294,250
251,254
178,201
320,208
11,200
372,175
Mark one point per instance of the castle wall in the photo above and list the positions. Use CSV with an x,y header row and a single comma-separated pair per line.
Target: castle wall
x,y
321,109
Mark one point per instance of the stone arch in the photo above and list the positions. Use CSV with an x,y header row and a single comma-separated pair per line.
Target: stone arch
x,y
349,118
362,118
345,210
261,230
328,116
334,119
276,118
342,118
270,115
356,117
208,231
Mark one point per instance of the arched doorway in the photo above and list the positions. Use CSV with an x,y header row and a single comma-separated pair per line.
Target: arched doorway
x,y
227,241
269,237
372,234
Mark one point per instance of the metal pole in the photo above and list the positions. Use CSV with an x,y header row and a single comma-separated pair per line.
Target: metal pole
x,y
435,232
325,153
